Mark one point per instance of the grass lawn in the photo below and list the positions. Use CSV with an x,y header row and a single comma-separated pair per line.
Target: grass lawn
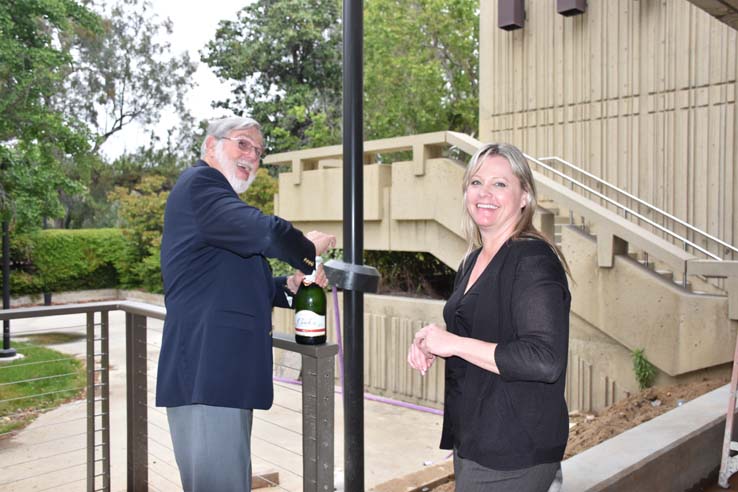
x,y
41,381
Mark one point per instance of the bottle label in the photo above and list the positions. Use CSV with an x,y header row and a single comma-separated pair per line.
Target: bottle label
x,y
309,324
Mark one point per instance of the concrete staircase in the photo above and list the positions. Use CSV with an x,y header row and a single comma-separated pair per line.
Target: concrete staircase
x,y
629,288
695,284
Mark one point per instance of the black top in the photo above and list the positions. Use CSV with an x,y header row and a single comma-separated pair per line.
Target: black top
x,y
518,418
458,314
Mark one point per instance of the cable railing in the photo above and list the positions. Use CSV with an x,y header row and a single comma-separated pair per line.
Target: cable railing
x,y
666,217
573,182
72,446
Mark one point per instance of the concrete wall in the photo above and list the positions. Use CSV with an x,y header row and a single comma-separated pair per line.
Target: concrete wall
x,y
640,93
617,310
681,331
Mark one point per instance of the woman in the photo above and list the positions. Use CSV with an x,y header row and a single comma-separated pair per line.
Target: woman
x,y
507,337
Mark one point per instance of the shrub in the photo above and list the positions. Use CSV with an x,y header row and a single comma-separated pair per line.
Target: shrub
x,y
645,372
142,211
62,259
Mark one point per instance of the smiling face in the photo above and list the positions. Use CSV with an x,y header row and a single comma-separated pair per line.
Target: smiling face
x,y
494,197
238,166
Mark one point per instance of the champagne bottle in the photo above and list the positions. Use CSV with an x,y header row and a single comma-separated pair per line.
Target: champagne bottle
x,y
310,305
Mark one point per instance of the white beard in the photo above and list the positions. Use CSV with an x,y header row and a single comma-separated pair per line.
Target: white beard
x,y
241,185
231,167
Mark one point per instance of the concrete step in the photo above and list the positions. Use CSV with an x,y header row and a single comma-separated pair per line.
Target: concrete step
x,y
695,285
647,264
680,283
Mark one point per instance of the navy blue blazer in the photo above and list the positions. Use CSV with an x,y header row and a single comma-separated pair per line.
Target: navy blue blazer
x,y
219,293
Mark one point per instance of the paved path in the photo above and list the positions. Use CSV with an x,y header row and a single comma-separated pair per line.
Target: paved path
x,y
50,453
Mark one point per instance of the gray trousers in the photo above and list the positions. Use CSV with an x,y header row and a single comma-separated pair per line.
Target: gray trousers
x,y
212,446
473,477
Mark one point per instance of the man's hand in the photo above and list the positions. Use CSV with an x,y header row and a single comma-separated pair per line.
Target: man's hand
x,y
320,277
294,280
322,241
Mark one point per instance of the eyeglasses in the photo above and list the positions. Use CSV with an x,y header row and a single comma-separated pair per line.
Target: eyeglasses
x,y
246,146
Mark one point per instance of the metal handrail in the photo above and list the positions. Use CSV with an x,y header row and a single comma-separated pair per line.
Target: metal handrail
x,y
640,201
624,208
317,394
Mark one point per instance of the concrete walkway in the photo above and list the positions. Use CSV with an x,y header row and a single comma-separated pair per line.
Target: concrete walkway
x,y
50,454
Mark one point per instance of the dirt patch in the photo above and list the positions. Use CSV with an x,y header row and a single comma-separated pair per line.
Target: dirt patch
x,y
592,429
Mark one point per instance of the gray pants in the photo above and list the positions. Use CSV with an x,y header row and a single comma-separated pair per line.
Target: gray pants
x,y
212,446
473,477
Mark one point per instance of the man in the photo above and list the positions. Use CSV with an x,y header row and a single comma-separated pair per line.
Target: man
x,y
215,365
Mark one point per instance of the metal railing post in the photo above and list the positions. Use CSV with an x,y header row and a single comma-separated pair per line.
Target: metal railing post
x,y
90,402
105,394
93,428
137,414
318,388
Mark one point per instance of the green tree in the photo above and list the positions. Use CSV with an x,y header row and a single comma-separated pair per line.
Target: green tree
x,y
35,135
420,68
34,180
157,158
125,72
261,192
284,59
142,213
121,74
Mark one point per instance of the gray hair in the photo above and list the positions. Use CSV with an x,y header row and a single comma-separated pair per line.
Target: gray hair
x,y
222,127
522,171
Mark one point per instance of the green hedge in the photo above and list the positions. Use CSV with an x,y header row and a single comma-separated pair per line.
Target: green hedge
x,y
56,260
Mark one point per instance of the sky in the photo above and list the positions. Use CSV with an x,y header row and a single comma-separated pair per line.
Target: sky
x,y
194,24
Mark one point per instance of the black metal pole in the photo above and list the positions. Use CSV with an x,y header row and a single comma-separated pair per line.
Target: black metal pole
x,y
6,351
353,242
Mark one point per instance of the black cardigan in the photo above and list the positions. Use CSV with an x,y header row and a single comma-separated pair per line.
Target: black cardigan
x,y
518,418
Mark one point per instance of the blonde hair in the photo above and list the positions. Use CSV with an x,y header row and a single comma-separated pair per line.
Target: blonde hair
x,y
521,170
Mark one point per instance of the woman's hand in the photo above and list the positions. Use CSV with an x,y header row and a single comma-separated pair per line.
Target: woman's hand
x,y
434,340
427,344
419,360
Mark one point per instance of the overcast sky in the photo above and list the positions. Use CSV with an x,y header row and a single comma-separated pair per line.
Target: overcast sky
x,y
194,24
